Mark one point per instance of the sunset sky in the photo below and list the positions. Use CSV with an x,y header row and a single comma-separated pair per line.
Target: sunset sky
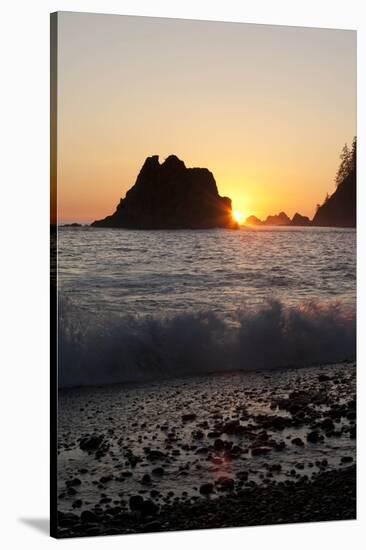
x,y
266,108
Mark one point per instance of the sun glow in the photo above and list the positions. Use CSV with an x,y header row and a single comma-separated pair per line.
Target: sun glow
x,y
238,217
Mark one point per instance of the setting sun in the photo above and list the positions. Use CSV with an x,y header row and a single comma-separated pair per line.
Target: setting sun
x,y
238,217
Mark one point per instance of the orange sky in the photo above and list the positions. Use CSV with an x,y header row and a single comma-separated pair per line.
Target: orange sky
x,y
267,109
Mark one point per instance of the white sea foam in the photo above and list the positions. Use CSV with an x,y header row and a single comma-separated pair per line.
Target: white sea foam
x,y
103,349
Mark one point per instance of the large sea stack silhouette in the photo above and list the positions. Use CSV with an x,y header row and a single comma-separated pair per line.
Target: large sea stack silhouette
x,y
171,196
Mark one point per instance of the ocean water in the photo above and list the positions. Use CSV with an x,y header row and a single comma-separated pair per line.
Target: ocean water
x,y
180,351
143,305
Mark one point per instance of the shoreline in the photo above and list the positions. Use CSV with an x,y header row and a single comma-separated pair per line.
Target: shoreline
x,y
203,453
219,374
329,496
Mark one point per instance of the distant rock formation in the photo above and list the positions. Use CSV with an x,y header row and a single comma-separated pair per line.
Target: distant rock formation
x,y
253,220
300,221
338,210
277,219
171,196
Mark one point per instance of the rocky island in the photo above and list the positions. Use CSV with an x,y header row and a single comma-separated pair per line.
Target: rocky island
x,y
172,196
300,220
280,219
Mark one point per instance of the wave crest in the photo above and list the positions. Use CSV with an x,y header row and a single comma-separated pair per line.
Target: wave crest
x,y
99,349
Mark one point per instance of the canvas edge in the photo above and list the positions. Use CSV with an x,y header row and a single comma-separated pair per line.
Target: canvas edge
x,y
53,273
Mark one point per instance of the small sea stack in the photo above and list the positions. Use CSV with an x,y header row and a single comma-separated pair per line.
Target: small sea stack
x,y
300,221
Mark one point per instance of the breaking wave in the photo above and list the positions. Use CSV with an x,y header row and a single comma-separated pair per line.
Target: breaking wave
x,y
98,349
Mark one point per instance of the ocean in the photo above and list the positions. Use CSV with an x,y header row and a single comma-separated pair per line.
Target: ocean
x,y
181,399
145,305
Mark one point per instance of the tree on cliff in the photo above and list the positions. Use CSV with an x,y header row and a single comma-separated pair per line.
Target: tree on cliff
x,y
339,210
348,162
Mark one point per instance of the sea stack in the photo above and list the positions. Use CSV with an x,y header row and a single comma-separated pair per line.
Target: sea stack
x,y
253,220
172,196
300,221
278,219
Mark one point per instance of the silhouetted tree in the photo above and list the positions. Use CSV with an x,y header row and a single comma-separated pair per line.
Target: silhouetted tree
x,y
353,161
348,162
